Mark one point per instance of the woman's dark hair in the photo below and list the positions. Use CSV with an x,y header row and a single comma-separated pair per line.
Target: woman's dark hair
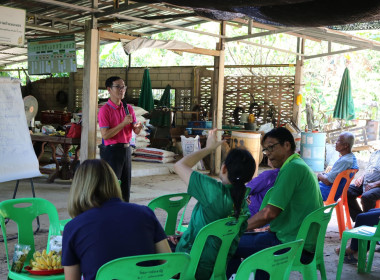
x,y
240,166
282,135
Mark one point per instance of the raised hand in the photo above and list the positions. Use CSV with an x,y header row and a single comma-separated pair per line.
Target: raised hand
x,y
212,140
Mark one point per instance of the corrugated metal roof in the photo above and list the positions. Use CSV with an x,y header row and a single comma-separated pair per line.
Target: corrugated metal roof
x,y
50,17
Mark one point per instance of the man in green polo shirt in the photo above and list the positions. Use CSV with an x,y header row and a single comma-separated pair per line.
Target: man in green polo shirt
x,y
295,194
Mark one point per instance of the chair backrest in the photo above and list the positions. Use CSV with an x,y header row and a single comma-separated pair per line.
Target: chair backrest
x,y
62,224
346,175
313,231
172,204
164,266
276,261
23,211
247,191
225,230
377,232
266,198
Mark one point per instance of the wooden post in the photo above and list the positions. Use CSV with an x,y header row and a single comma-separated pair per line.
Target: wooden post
x,y
71,103
218,86
298,81
90,91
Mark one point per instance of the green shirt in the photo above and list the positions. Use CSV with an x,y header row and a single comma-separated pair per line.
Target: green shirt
x,y
296,192
214,203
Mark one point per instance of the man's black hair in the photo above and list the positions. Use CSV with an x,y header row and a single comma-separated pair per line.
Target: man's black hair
x,y
282,135
110,80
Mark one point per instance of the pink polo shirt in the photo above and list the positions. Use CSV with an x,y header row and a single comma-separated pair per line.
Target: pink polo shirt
x,y
110,115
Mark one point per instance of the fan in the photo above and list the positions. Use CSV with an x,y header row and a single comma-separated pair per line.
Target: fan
x,y
31,109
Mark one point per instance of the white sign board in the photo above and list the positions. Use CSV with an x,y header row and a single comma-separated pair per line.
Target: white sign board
x,y
12,26
17,157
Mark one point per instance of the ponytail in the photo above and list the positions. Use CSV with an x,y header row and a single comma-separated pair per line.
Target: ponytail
x,y
240,166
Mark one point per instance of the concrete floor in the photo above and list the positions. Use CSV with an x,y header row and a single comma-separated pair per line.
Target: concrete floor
x,y
146,185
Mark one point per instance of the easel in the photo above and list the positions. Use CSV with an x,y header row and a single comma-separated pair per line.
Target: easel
x,y
34,195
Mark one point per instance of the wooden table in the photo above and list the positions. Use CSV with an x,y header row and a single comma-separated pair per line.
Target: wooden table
x,y
67,169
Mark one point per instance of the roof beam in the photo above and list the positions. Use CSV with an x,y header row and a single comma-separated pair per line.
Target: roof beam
x,y
105,35
182,25
260,34
333,53
341,38
353,37
71,22
167,25
269,47
123,31
68,5
199,51
182,16
175,9
270,27
112,11
42,28
9,53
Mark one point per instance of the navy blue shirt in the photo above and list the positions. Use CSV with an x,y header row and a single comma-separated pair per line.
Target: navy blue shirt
x,y
114,230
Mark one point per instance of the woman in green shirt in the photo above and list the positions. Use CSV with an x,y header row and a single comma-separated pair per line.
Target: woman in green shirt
x,y
216,200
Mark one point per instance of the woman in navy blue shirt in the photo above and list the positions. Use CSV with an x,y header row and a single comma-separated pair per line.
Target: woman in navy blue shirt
x,y
104,227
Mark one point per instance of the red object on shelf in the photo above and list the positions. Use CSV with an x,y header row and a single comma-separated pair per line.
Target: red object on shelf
x,y
43,272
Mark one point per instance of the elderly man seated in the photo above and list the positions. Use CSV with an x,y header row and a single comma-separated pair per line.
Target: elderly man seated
x,y
347,161
367,186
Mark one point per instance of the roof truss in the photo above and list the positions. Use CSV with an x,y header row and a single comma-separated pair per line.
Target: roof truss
x,y
52,17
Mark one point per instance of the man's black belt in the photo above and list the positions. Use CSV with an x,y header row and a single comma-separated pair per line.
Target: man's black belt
x,y
119,145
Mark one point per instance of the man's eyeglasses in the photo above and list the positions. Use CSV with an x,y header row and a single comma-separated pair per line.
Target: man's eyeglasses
x,y
120,87
269,148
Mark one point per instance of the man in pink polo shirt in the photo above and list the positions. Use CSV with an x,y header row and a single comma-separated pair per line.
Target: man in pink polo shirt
x,y
116,123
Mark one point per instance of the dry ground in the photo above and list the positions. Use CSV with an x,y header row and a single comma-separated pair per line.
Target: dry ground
x,y
145,189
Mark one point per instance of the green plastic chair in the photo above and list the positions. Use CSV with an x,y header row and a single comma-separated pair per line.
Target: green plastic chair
x,y
315,221
172,204
62,224
276,263
364,234
266,199
225,230
169,264
23,211
247,191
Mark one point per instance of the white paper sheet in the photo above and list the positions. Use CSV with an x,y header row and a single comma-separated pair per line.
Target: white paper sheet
x,y
17,157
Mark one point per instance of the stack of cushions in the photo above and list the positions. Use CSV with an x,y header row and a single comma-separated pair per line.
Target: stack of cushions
x,y
153,155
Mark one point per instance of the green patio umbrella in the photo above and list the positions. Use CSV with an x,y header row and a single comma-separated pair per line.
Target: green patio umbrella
x,y
165,98
344,107
146,96
162,116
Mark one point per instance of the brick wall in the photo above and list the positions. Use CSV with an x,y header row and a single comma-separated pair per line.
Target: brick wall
x,y
46,90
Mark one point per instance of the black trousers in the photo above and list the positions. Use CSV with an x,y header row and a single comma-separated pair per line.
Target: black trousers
x,y
368,200
118,156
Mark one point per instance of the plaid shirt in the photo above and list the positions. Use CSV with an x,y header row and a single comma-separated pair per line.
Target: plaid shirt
x,y
372,172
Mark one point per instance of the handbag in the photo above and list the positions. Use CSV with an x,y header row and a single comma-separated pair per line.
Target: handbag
x,y
75,130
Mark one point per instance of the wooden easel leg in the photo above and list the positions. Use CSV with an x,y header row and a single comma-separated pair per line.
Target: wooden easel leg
x,y
34,195
15,191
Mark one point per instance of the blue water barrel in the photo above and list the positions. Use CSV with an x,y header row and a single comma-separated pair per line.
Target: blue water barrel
x,y
313,150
